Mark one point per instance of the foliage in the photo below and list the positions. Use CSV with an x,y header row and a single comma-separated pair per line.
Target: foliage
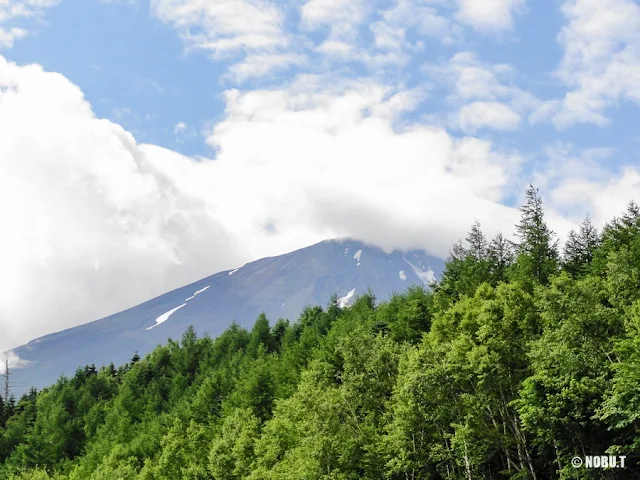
x,y
515,362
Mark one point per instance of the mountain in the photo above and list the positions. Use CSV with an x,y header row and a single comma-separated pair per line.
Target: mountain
x,y
278,286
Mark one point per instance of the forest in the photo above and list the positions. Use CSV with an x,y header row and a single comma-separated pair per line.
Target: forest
x,y
523,355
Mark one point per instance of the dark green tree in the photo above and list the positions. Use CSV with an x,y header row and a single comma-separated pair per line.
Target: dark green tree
x,y
537,248
580,248
501,257
260,335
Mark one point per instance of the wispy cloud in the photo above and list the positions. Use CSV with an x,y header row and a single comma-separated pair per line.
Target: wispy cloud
x,y
494,115
259,37
581,182
13,13
601,63
481,95
146,84
183,132
227,27
489,15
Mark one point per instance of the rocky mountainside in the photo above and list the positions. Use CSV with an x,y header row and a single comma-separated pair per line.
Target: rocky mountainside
x,y
278,286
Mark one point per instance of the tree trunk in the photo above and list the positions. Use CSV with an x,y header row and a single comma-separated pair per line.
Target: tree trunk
x,y
466,462
555,446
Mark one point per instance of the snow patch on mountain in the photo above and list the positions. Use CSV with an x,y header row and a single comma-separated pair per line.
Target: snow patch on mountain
x,y
403,276
427,276
344,301
165,316
233,271
198,292
357,256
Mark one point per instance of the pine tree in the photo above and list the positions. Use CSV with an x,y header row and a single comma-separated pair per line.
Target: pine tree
x,y
501,257
458,252
478,247
618,233
260,334
631,218
467,267
538,249
580,247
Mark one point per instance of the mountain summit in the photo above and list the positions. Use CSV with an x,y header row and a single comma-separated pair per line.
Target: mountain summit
x,y
278,286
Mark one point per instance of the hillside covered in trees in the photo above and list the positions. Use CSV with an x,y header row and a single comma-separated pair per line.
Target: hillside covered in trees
x,y
521,357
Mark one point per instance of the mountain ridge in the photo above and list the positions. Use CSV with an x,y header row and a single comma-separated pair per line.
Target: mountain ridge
x,y
280,286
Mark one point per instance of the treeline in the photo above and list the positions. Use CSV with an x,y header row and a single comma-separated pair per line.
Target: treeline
x,y
521,357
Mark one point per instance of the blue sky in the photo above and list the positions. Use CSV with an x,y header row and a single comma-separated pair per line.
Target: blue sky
x,y
131,67
146,144
135,70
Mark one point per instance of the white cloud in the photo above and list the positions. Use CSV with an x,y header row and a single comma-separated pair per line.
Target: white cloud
x,y
260,65
183,132
227,26
132,3
492,115
90,225
14,362
179,127
489,15
612,194
343,20
422,15
470,78
259,37
342,17
96,223
324,167
248,33
482,95
580,182
12,11
8,36
601,63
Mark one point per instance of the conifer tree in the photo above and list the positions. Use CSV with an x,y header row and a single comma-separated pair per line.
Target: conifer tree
x,y
631,218
580,247
537,248
501,256
478,247
260,334
458,252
